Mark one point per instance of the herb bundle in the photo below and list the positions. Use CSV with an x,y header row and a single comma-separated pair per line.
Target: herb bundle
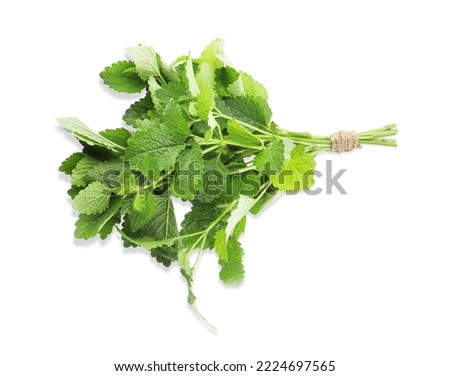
x,y
202,132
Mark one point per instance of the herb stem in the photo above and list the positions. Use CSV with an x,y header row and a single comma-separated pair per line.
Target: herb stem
x,y
241,170
252,127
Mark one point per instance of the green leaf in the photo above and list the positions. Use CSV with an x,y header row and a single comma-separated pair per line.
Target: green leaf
x,y
88,226
142,210
80,174
189,178
83,133
220,244
173,90
69,164
236,89
252,87
271,159
205,75
108,172
163,224
247,183
224,77
211,52
93,199
197,220
146,241
156,148
165,254
265,200
214,180
187,273
193,86
168,73
240,227
122,77
297,173
108,227
242,208
239,134
138,110
73,191
146,61
176,120
205,102
119,136
161,228
253,111
232,271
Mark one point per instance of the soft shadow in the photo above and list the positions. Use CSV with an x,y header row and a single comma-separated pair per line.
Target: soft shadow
x,y
120,96
67,136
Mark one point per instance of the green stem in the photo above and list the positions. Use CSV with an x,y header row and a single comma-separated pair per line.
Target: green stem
x,y
243,123
241,170
214,147
215,141
385,128
206,231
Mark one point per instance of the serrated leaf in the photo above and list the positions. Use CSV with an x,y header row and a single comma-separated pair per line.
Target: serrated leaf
x,y
80,174
165,254
167,71
161,227
187,273
253,88
211,52
163,224
173,90
93,199
247,183
214,180
142,210
270,160
69,164
198,219
73,191
189,178
239,134
83,133
253,111
156,148
297,173
232,271
240,227
108,172
138,110
108,227
88,226
224,77
146,61
121,78
119,136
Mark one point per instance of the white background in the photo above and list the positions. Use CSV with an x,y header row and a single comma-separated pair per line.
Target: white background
x,y
361,279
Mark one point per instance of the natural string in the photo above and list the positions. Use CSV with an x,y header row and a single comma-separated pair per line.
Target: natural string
x,y
343,141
